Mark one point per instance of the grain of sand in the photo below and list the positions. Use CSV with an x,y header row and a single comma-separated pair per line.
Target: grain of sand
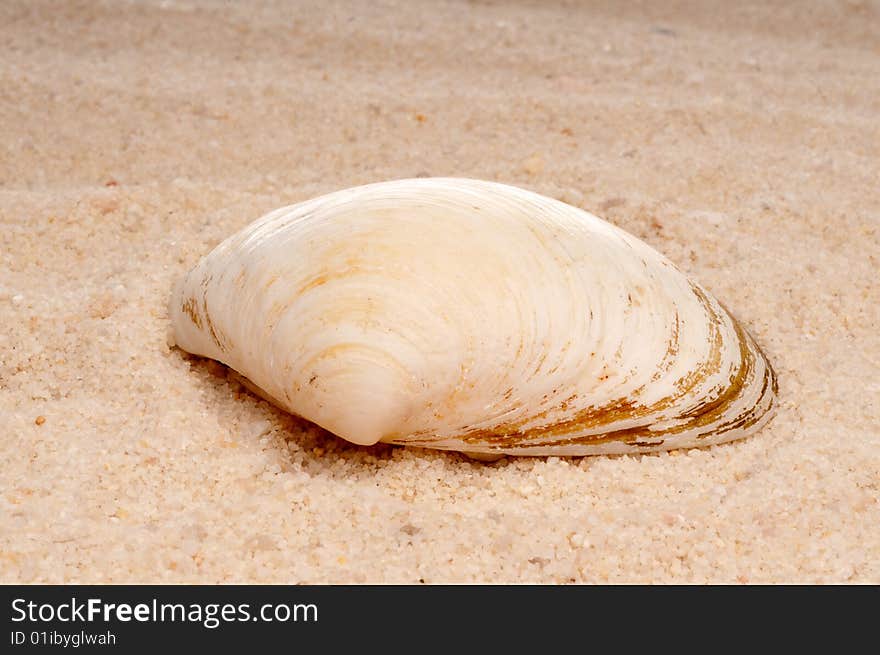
x,y
740,139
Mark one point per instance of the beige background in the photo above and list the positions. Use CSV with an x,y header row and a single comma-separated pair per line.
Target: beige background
x,y
740,139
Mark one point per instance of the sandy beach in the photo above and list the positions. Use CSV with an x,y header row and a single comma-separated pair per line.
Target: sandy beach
x,y
741,140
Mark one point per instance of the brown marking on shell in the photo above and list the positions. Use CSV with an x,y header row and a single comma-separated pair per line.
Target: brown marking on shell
x,y
710,414
274,314
511,436
768,382
189,308
710,365
648,444
216,334
669,355
315,282
272,280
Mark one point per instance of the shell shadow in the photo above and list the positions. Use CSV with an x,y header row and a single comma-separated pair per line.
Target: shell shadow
x,y
226,384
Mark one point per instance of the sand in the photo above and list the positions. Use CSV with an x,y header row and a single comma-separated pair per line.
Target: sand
x,y
740,139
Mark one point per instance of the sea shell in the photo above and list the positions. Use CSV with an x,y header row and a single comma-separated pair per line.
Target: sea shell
x,y
473,316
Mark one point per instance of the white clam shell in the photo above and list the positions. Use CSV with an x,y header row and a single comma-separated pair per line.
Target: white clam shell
x,y
473,316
